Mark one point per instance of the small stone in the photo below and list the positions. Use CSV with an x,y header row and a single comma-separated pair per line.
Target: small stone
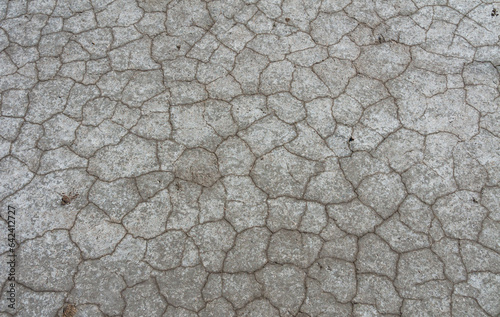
x,y
69,311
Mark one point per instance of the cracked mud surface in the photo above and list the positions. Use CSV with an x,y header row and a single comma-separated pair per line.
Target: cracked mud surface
x,y
251,158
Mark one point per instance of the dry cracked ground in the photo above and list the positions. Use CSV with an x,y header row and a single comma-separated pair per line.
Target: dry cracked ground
x,y
251,158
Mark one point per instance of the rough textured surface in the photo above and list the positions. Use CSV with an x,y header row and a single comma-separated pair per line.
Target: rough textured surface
x,y
253,158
